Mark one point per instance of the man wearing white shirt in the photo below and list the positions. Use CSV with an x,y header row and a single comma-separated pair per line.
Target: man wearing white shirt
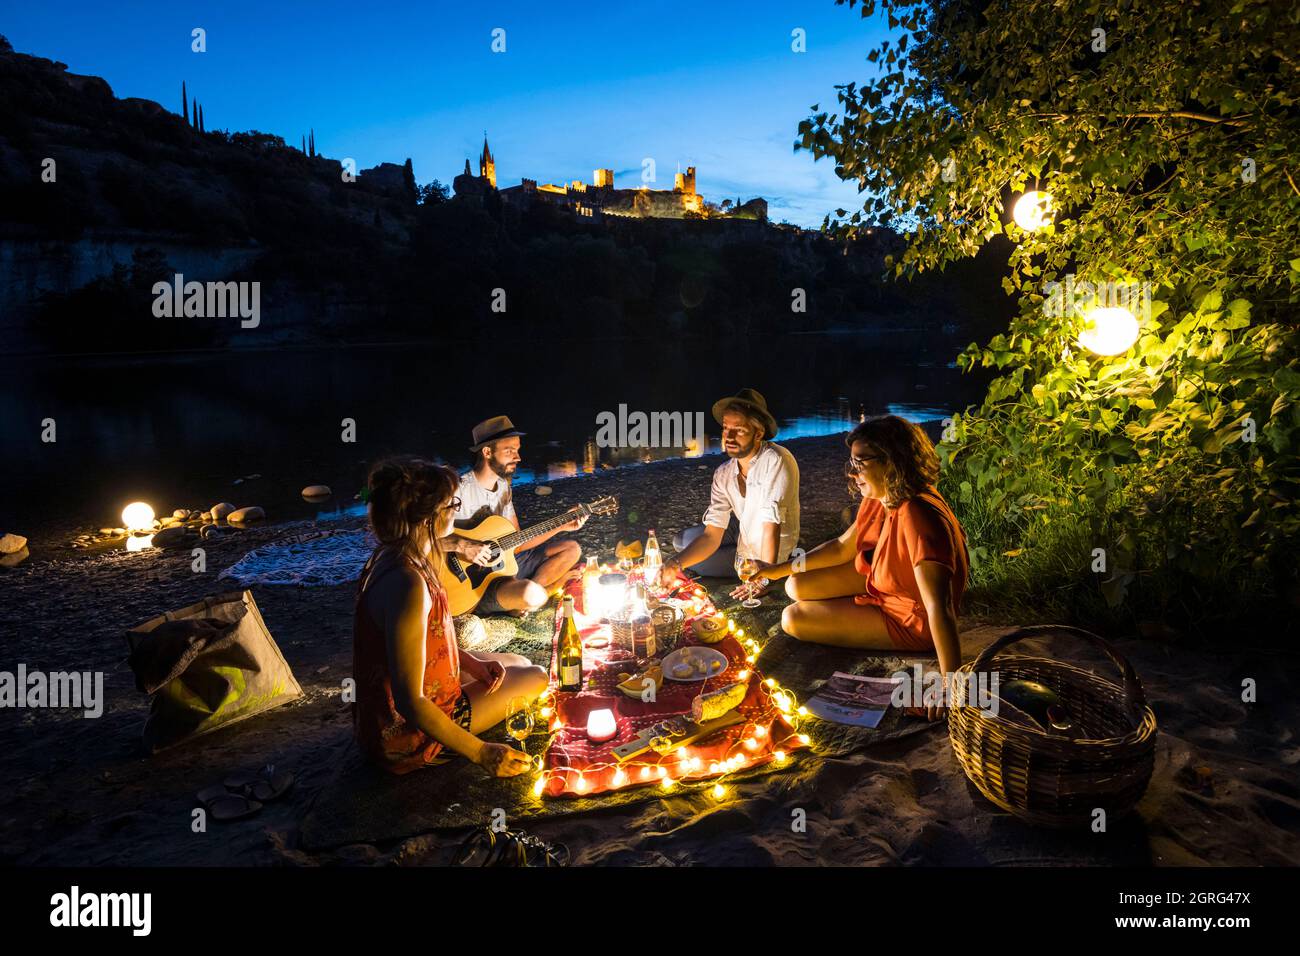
x,y
758,485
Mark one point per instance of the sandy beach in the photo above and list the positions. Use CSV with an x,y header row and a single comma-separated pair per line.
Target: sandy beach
x,y
1226,787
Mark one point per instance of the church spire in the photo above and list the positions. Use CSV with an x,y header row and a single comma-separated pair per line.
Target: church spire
x,y
487,166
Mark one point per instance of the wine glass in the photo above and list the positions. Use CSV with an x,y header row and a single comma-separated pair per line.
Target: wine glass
x,y
520,723
746,570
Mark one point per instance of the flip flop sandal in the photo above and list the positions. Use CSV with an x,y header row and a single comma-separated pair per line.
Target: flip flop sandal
x,y
260,787
224,807
478,849
536,852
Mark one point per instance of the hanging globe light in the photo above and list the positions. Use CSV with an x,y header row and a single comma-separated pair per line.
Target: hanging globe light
x,y
1109,330
1033,210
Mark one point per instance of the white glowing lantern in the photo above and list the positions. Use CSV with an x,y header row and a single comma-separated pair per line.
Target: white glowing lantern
x,y
611,594
137,516
1033,210
601,726
1109,330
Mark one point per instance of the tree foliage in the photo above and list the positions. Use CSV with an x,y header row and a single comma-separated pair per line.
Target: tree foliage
x,y
1167,134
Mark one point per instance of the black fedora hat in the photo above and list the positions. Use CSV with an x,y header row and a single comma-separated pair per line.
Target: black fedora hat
x,y
493,429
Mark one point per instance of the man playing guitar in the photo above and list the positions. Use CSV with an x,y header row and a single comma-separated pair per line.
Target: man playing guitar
x,y
485,490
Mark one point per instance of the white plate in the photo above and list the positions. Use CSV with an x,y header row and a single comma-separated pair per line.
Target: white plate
x,y
705,654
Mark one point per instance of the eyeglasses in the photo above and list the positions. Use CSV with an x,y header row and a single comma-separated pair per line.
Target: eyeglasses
x,y
855,465
453,505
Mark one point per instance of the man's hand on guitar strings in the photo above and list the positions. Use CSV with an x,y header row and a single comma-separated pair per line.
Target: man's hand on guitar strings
x,y
482,553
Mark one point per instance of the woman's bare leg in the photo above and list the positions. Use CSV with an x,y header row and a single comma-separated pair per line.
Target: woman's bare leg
x,y
523,679
839,622
841,580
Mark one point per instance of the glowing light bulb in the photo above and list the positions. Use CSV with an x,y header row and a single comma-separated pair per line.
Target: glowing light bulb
x,y
1033,210
751,744
760,731
546,712
620,777
137,516
663,772
714,768
538,786
770,683
667,783
805,739
802,711
743,675
1109,330
731,626
719,791
780,756
645,773
582,785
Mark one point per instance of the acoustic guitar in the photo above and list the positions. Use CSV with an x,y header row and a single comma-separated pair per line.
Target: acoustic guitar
x,y
466,581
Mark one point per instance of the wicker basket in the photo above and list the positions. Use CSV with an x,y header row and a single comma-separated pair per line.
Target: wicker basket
x,y
1045,778
668,622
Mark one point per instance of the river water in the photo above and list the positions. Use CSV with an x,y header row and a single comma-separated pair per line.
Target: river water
x,y
181,430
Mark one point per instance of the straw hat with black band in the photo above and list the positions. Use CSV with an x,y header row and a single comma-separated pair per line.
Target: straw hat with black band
x,y
753,402
493,429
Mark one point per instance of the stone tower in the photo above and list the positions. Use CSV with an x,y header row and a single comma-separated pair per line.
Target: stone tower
x,y
487,166
604,178
685,182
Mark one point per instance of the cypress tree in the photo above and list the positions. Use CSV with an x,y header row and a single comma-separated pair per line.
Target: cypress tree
x,y
185,104
201,127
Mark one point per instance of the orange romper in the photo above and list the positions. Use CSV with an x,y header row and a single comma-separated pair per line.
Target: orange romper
x,y
383,734
923,528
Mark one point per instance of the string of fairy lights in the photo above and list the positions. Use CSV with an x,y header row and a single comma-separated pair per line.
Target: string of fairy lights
x,y
781,705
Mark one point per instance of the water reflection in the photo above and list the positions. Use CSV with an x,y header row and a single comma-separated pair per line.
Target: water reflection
x,y
178,431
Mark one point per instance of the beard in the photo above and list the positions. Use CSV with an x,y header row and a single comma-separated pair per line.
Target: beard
x,y
502,471
743,450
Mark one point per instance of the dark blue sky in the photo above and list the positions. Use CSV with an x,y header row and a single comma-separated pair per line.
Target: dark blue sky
x,y
581,85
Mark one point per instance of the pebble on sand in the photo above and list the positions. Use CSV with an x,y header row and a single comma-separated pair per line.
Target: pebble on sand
x,y
14,559
11,543
317,491
221,510
542,490
251,513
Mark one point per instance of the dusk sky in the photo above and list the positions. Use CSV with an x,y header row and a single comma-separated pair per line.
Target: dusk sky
x,y
580,86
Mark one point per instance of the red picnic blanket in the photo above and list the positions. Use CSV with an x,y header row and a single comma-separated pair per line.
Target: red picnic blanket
x,y
576,766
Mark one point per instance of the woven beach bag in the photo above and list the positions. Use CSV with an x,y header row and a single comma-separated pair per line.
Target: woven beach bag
x,y
1045,778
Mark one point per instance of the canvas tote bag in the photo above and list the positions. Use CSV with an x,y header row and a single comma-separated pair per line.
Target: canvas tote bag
x,y
207,666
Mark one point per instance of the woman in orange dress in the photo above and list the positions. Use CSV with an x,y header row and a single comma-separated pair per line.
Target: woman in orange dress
x,y
417,692
894,579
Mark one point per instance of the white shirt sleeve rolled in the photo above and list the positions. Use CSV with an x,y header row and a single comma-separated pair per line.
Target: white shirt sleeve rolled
x,y
718,514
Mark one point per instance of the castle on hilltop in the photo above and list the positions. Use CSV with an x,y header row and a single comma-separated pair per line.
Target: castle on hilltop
x,y
602,198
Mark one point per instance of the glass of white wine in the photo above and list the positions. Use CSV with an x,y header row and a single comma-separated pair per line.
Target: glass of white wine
x,y
746,570
520,723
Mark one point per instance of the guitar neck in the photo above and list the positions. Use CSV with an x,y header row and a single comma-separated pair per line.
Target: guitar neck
x,y
527,534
